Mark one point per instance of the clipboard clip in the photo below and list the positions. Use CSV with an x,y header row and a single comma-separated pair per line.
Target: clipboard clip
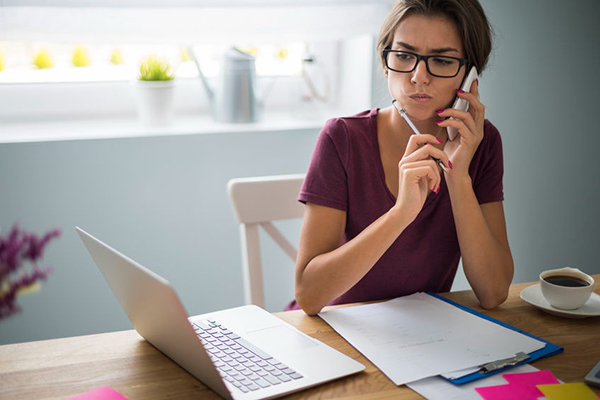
x,y
489,367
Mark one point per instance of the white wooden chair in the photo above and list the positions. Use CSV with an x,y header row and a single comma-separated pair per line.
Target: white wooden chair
x,y
256,202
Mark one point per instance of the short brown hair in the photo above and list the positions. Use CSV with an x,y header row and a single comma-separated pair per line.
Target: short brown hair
x,y
468,15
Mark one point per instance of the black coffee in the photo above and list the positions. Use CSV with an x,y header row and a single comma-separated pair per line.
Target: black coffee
x,y
568,281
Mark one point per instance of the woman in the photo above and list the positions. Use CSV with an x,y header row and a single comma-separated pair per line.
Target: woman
x,y
382,218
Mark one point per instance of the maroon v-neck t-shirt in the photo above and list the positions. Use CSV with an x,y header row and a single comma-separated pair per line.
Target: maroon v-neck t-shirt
x,y
346,173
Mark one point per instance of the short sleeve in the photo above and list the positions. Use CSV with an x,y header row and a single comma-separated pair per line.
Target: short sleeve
x,y
487,168
326,181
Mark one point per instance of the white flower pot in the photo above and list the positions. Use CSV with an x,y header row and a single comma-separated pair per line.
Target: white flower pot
x,y
155,102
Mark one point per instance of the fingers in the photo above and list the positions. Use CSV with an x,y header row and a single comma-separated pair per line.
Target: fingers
x,y
415,142
476,108
418,149
475,88
417,172
466,122
466,127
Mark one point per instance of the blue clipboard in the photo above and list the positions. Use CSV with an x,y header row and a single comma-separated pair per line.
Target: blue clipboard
x,y
549,350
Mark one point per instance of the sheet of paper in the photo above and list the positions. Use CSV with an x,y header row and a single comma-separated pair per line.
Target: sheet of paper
x,y
460,373
436,388
418,336
568,391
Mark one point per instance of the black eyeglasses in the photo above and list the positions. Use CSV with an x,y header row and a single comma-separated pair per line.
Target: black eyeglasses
x,y
406,61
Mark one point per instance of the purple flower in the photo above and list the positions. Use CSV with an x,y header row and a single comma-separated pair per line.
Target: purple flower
x,y
17,249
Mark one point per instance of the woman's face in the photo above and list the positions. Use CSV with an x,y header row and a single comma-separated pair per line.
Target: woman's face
x,y
418,92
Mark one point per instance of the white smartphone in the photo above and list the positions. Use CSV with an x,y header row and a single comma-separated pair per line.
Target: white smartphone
x,y
462,104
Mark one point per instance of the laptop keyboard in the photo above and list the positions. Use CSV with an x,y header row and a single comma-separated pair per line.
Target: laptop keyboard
x,y
239,362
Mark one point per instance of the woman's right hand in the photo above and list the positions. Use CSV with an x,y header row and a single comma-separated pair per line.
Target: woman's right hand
x,y
418,174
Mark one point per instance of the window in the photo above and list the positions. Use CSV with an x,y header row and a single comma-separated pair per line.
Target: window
x,y
45,62
101,35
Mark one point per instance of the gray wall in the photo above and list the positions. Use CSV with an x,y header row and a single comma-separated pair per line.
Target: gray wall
x,y
541,91
160,200
163,201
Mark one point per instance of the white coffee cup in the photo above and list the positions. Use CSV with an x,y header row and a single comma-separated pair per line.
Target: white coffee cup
x,y
566,288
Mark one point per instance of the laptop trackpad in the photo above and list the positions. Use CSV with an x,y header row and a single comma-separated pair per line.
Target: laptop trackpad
x,y
279,339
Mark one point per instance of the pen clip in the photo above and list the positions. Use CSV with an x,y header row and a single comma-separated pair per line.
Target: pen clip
x,y
495,365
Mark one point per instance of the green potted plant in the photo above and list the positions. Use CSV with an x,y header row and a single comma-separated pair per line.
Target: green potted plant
x,y
155,89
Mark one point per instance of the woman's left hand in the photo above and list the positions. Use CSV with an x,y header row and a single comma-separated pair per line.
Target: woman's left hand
x,y
469,125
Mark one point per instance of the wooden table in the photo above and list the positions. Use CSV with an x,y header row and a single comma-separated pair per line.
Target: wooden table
x,y
61,368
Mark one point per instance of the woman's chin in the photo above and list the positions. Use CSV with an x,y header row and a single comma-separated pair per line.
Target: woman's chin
x,y
420,114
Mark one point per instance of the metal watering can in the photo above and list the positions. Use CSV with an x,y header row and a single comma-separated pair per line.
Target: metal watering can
x,y
235,100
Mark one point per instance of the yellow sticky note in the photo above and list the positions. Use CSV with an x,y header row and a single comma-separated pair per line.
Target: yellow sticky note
x,y
568,391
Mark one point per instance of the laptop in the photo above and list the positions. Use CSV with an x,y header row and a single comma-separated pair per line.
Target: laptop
x,y
240,353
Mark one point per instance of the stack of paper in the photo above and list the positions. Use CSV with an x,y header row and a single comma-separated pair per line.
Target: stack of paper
x,y
419,336
523,383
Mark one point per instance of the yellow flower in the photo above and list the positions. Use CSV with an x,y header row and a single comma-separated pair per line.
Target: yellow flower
x,y
43,60
34,287
282,53
115,57
184,56
80,57
249,50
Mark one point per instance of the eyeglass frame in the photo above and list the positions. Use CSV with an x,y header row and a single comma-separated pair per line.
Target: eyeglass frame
x,y
461,62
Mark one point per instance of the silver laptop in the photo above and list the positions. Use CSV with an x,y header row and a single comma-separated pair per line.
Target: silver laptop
x,y
240,353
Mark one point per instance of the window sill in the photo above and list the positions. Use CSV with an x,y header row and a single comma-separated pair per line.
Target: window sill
x,y
130,127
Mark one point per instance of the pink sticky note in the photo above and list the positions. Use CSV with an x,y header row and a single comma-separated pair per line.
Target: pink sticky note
x,y
529,381
568,391
102,393
520,386
535,378
508,392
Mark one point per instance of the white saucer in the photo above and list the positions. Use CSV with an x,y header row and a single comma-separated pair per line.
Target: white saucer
x,y
533,295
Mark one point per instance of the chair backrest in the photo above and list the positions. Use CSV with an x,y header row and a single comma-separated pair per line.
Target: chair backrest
x,y
256,202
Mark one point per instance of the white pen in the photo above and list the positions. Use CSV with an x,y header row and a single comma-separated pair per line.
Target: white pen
x,y
402,113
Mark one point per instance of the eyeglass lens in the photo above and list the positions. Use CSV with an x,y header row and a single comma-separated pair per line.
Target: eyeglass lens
x,y
437,65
